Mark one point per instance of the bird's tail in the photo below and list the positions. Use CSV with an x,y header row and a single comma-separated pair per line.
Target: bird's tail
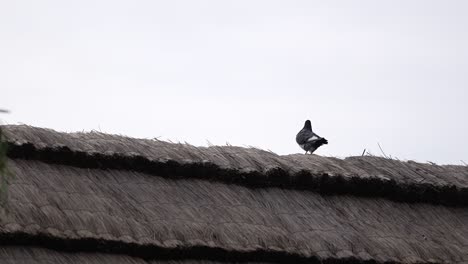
x,y
323,141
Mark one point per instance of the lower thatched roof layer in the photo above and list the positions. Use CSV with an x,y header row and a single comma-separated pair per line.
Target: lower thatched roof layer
x,y
132,213
360,176
35,255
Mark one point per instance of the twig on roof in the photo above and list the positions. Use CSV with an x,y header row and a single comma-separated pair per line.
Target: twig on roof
x,y
363,152
209,143
385,155
464,163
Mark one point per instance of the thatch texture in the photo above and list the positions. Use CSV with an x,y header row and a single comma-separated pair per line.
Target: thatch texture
x,y
359,176
142,215
98,198
33,255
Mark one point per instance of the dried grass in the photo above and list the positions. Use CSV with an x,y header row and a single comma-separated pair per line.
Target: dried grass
x,y
362,176
33,255
94,193
5,174
137,214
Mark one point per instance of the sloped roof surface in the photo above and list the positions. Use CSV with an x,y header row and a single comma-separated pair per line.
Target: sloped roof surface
x,y
34,255
93,192
362,176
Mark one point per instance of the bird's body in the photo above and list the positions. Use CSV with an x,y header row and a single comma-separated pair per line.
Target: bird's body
x,y
308,140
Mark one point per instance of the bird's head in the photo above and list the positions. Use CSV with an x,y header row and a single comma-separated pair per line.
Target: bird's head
x,y
308,125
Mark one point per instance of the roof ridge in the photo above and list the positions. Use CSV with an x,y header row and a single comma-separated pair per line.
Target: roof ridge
x,y
359,176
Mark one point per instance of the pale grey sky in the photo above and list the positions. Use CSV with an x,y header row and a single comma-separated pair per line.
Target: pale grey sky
x,y
244,72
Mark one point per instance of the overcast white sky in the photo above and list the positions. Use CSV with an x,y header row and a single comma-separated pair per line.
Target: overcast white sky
x,y
244,72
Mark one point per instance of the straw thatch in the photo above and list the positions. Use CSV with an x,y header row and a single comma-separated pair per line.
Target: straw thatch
x,y
33,255
86,195
361,176
143,214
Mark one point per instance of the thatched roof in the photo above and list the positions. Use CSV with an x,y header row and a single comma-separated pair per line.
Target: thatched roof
x,y
108,196
35,255
361,176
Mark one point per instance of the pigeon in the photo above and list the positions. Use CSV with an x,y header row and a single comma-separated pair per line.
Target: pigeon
x,y
308,140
